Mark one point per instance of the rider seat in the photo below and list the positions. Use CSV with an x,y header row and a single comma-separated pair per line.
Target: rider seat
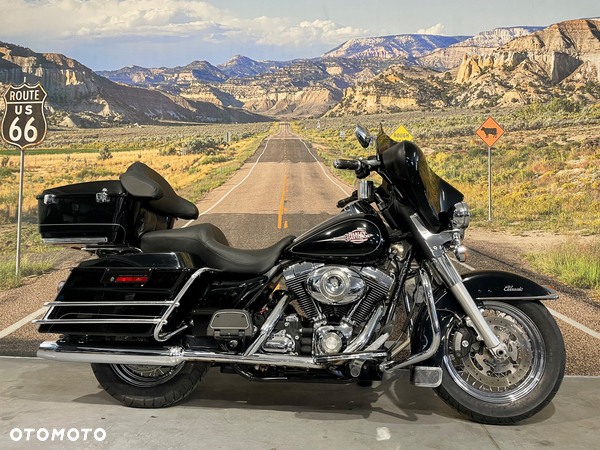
x,y
210,244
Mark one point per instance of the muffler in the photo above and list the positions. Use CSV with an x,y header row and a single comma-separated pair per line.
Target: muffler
x,y
167,356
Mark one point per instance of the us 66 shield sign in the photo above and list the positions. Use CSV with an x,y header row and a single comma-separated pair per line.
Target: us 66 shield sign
x,y
24,123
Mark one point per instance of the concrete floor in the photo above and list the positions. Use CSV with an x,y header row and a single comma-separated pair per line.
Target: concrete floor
x,y
228,412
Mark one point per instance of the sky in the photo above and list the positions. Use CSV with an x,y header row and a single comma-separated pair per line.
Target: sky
x,y
110,34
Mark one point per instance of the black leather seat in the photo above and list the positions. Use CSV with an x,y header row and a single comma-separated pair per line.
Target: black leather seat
x,y
210,244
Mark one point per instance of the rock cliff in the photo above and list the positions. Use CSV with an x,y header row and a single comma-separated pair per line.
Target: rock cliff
x,y
483,43
78,96
408,46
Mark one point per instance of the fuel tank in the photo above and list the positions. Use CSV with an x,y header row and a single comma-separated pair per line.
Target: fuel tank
x,y
357,236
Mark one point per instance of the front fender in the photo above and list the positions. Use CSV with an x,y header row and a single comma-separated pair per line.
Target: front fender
x,y
482,285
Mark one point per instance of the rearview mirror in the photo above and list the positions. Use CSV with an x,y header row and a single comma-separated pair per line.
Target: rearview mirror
x,y
363,136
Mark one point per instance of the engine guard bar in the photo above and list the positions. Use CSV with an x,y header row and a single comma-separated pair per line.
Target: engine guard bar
x,y
435,328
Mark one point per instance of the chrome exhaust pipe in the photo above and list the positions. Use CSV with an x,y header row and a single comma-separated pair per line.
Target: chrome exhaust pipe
x,y
171,356
168,356
68,352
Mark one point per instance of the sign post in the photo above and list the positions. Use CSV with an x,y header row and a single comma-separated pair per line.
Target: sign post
x,y
490,131
23,125
227,140
342,136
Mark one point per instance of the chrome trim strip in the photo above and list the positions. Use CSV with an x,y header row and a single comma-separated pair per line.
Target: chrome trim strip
x,y
92,321
98,240
175,304
435,328
168,356
539,297
140,303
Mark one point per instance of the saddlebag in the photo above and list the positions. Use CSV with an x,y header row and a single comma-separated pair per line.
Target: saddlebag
x,y
125,295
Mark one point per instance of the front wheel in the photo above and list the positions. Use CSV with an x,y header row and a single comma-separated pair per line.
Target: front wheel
x,y
142,386
510,390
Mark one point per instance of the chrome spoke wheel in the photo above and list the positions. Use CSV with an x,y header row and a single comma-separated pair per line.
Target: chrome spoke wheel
x,y
146,376
492,380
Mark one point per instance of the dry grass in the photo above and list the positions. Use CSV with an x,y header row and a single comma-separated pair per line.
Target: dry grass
x,y
72,164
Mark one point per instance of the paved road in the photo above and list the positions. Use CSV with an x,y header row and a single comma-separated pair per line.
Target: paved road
x,y
287,192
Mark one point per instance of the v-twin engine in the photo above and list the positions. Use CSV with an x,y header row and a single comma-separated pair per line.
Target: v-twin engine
x,y
337,300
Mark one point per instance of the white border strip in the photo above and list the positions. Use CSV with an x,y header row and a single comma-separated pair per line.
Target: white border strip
x,y
24,321
233,188
558,315
322,168
574,323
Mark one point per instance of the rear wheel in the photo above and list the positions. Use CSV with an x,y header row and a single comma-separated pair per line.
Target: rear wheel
x,y
142,386
504,391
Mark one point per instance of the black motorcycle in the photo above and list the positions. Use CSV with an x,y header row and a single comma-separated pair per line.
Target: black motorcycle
x,y
365,293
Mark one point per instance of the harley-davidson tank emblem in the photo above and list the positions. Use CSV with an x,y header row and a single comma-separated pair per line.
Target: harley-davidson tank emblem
x,y
356,237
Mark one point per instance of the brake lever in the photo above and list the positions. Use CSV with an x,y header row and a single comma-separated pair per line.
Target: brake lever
x,y
343,202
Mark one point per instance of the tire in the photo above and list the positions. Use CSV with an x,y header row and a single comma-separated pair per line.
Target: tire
x,y
149,386
536,344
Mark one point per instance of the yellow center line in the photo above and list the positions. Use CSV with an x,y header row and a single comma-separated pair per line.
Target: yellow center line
x,y
280,217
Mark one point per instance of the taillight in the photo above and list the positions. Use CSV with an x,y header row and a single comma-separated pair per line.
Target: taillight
x,y
131,279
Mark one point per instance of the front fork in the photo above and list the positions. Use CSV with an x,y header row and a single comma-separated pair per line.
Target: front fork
x,y
452,279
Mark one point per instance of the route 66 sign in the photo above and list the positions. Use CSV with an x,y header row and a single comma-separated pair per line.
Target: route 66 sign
x,y
24,123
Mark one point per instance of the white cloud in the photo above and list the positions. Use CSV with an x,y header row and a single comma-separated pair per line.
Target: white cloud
x,y
436,29
93,19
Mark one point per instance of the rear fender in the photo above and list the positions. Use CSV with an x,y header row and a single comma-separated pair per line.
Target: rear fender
x,y
482,285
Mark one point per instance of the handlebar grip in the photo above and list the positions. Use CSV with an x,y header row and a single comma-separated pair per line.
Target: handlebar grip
x,y
346,164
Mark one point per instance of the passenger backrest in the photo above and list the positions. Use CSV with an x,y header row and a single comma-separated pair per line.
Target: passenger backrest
x,y
155,193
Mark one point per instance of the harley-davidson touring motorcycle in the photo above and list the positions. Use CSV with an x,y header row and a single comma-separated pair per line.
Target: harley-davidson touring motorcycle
x,y
364,294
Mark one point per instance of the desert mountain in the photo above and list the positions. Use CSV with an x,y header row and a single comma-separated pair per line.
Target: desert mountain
x,y
562,57
163,76
395,89
483,43
562,60
78,96
242,66
301,88
407,46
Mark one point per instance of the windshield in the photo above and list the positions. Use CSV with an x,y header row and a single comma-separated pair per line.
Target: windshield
x,y
406,166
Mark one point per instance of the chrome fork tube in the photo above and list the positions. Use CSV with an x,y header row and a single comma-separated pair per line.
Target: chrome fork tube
x,y
453,280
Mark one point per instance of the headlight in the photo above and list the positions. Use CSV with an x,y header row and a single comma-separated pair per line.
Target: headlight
x,y
461,216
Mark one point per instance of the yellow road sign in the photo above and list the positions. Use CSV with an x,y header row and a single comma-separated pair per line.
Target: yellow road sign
x,y
401,134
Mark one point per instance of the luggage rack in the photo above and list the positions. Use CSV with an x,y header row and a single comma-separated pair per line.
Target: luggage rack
x,y
111,249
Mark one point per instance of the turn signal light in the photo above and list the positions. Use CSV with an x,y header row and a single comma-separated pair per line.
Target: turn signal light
x,y
131,279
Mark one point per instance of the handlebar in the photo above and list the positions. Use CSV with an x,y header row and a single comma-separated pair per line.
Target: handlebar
x,y
346,164
362,167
